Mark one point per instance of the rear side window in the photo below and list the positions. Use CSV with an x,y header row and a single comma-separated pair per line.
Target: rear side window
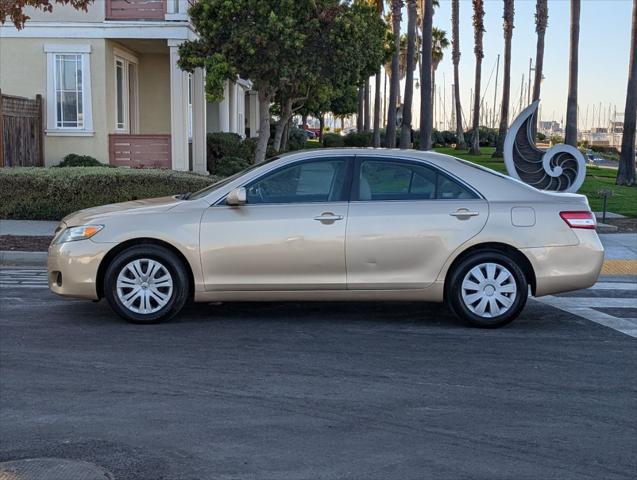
x,y
382,180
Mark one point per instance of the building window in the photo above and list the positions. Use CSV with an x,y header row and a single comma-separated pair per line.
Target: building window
x,y
68,89
69,111
126,103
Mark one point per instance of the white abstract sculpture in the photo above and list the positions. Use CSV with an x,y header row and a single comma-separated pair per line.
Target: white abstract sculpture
x,y
561,168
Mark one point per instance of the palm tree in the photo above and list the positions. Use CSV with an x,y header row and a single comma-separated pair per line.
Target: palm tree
x,y
570,133
439,44
626,171
478,30
380,6
455,56
405,131
390,130
506,85
541,21
426,96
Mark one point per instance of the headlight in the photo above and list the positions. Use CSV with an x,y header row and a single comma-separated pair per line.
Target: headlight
x,y
72,234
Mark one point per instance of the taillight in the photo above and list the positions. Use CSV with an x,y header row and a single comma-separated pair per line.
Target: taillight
x,y
579,219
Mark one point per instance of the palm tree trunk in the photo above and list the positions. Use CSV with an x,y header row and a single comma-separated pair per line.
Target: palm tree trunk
x,y
570,135
626,171
455,55
506,85
376,137
366,116
541,20
405,131
426,120
390,130
478,28
361,110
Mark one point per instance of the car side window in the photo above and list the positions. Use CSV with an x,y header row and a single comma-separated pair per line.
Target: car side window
x,y
394,180
304,182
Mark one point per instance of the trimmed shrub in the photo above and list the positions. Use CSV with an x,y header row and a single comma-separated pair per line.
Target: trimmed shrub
x,y
331,140
224,144
230,165
35,193
75,160
296,139
488,136
355,139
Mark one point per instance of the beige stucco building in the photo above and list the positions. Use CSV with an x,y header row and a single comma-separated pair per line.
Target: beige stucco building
x,y
111,87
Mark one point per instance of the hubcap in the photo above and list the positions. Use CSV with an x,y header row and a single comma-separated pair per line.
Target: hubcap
x,y
488,290
144,286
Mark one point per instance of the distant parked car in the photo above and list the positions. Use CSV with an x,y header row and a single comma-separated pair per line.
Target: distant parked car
x,y
347,131
309,133
332,225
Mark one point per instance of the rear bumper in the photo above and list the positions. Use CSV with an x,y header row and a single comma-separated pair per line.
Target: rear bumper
x,y
567,268
73,266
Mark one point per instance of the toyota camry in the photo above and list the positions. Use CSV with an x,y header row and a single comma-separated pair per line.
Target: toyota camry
x,y
334,224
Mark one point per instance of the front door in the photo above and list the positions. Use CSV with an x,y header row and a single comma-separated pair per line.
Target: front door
x,y
290,235
405,220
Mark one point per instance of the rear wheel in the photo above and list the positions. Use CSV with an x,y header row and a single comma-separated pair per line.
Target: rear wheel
x,y
146,284
487,289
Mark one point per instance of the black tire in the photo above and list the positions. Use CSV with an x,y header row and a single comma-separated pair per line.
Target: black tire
x,y
463,308
171,263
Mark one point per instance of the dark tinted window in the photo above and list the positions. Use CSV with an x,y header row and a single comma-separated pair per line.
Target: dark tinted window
x,y
393,180
306,182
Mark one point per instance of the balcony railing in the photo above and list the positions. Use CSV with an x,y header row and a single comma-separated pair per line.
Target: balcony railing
x,y
146,9
139,151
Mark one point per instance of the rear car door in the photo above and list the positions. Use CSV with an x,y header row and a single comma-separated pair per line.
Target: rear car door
x,y
405,219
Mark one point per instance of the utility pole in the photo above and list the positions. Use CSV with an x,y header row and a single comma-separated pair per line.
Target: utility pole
x,y
495,92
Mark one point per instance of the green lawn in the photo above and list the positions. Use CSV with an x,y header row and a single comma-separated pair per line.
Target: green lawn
x,y
623,201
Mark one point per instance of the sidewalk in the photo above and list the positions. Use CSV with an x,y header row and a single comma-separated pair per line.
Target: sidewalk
x,y
28,228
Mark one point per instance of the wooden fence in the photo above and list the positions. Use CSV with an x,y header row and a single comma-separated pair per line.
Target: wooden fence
x,y
135,9
139,151
21,131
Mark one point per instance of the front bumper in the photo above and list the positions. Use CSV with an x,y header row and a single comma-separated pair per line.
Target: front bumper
x,y
73,266
567,268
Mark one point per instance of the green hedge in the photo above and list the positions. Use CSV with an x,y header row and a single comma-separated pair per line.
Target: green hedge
x,y
33,193
331,140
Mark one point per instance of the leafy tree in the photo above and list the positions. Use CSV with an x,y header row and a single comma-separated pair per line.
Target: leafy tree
x,y
14,9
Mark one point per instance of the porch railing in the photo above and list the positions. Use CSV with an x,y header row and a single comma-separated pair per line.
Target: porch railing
x,y
136,9
139,151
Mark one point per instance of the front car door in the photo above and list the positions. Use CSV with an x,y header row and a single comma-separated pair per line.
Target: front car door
x,y
405,219
290,235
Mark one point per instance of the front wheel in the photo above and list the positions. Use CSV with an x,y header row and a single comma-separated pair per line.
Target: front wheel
x,y
487,289
146,284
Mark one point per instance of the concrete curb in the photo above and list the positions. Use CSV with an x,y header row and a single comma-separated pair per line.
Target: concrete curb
x,y
16,258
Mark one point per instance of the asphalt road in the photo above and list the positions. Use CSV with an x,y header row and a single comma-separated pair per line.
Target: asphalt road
x,y
315,391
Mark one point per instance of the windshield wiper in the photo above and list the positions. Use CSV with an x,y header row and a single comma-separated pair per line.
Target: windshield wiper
x,y
183,196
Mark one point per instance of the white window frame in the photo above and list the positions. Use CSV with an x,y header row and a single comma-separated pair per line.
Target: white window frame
x,y
87,99
126,59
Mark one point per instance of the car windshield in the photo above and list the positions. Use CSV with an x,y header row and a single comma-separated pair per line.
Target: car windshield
x,y
221,183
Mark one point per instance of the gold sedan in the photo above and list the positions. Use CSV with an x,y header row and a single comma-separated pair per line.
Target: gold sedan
x,y
339,224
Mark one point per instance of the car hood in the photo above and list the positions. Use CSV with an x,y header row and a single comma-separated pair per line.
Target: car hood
x,y
94,214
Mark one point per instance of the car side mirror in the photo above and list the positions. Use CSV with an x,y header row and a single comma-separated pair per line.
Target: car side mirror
x,y
237,197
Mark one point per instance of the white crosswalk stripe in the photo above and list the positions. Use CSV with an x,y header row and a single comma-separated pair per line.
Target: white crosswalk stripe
x,y
622,299
23,278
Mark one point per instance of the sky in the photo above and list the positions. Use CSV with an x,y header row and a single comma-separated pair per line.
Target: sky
x,y
604,50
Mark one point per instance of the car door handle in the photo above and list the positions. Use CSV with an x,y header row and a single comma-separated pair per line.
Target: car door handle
x,y
328,217
463,212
